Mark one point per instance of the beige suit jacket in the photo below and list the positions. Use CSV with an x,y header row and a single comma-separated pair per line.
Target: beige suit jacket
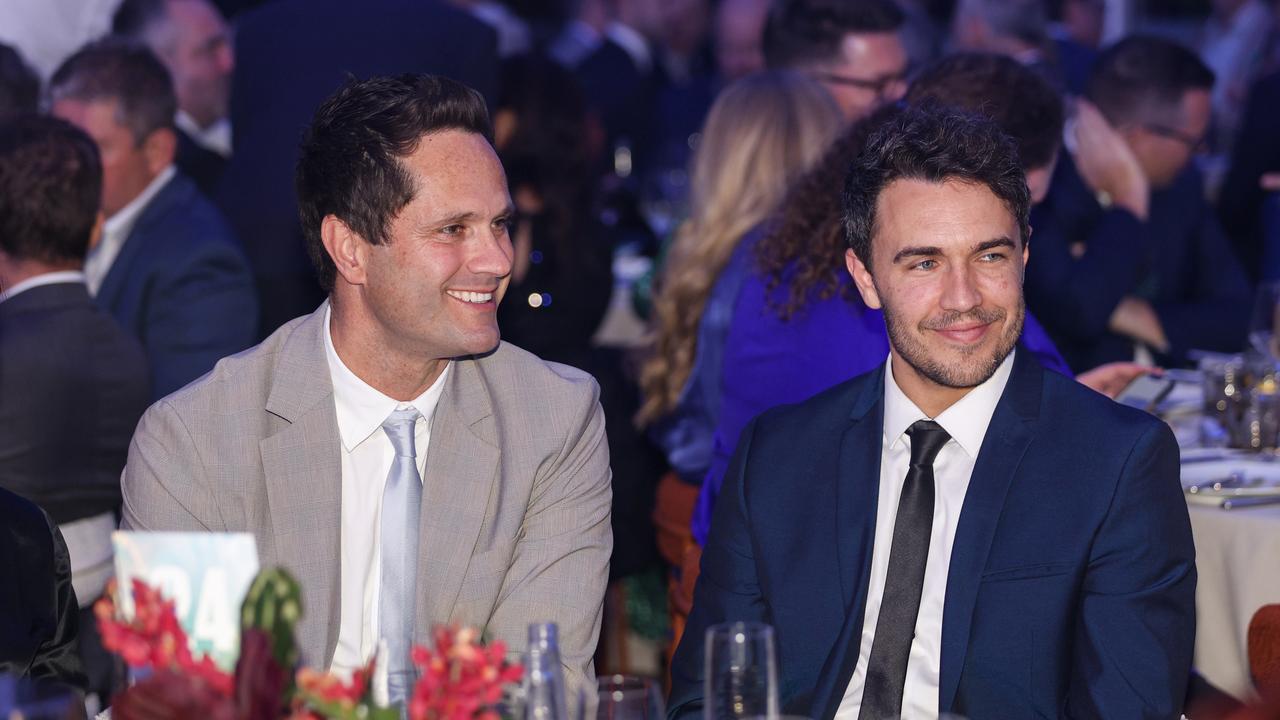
x,y
515,503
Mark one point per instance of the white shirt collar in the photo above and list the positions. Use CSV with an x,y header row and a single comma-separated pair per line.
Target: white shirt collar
x,y
966,421
361,409
49,278
216,137
117,228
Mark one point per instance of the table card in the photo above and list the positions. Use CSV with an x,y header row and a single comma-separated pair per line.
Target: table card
x,y
205,574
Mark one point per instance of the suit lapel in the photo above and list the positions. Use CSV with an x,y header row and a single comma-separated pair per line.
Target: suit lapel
x,y
1011,431
460,477
132,249
857,490
302,467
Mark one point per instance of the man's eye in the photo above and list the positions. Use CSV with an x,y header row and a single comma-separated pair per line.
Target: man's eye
x,y
505,224
451,229
993,257
925,265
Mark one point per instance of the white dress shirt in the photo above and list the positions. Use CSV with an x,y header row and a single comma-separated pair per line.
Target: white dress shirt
x,y
215,138
366,459
116,230
966,422
49,278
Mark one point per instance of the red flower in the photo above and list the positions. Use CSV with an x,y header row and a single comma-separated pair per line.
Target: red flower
x,y
460,680
154,638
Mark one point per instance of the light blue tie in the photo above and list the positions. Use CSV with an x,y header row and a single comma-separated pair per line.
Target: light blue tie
x,y
401,504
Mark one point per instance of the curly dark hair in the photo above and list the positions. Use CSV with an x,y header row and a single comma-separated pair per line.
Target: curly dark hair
x,y
349,164
804,249
932,143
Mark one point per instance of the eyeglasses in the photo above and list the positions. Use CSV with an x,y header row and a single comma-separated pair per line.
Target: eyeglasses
x,y
878,86
1195,144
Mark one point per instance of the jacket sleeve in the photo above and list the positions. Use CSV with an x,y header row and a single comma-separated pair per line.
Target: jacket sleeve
x,y
561,563
58,657
1214,314
1136,624
728,586
1074,292
161,481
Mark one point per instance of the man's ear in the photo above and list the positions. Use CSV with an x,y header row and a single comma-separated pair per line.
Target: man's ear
x,y
862,279
95,235
346,248
160,148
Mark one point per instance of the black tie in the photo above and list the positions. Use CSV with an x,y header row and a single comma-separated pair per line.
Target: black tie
x,y
887,667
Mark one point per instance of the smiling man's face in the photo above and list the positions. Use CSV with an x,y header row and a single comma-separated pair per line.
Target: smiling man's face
x,y
946,268
434,287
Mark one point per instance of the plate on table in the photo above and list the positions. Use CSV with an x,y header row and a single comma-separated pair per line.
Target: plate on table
x,y
1210,480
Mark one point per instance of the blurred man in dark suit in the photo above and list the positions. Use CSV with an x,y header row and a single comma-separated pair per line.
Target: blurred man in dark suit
x,y
19,86
72,383
290,56
168,267
1171,282
194,43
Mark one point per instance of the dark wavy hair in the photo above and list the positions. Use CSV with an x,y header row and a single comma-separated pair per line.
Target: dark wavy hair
x,y
934,144
50,187
349,164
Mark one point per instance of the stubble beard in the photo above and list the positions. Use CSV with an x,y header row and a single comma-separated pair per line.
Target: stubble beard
x,y
970,372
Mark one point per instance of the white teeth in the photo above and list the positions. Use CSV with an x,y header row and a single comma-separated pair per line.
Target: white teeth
x,y
471,297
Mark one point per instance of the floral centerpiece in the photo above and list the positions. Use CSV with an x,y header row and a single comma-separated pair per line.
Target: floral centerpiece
x,y
460,679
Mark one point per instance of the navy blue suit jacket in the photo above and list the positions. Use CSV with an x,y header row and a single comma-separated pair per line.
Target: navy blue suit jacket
x,y
182,286
1071,589
1085,259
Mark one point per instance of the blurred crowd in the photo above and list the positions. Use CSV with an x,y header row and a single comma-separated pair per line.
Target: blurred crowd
x,y
676,167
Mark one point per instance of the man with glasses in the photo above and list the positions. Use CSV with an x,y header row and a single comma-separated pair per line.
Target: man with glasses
x,y
852,48
1170,282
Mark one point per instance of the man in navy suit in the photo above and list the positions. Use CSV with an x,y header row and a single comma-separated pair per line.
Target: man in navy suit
x,y
1150,276
960,531
168,267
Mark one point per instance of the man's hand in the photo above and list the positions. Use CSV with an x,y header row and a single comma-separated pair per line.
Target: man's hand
x,y
1270,181
1136,319
1111,379
1106,163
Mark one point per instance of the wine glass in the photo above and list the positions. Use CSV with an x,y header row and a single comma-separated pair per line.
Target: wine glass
x,y
628,697
741,677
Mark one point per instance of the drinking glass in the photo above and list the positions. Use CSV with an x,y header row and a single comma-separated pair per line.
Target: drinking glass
x,y
628,697
1263,336
741,677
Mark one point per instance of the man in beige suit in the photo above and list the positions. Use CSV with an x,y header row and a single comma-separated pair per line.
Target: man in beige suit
x,y
387,449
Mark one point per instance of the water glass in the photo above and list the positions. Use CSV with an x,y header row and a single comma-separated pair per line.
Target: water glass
x,y
628,697
741,677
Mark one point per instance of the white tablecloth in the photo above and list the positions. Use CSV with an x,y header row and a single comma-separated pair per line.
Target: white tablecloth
x,y
1238,561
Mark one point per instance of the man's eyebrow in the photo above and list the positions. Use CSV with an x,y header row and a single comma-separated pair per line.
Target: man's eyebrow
x,y
1000,242
919,251
470,216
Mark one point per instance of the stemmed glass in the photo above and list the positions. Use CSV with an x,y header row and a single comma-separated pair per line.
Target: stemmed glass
x,y
741,677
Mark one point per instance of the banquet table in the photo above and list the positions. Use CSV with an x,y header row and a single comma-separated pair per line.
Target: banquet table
x,y
1237,550
1238,562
